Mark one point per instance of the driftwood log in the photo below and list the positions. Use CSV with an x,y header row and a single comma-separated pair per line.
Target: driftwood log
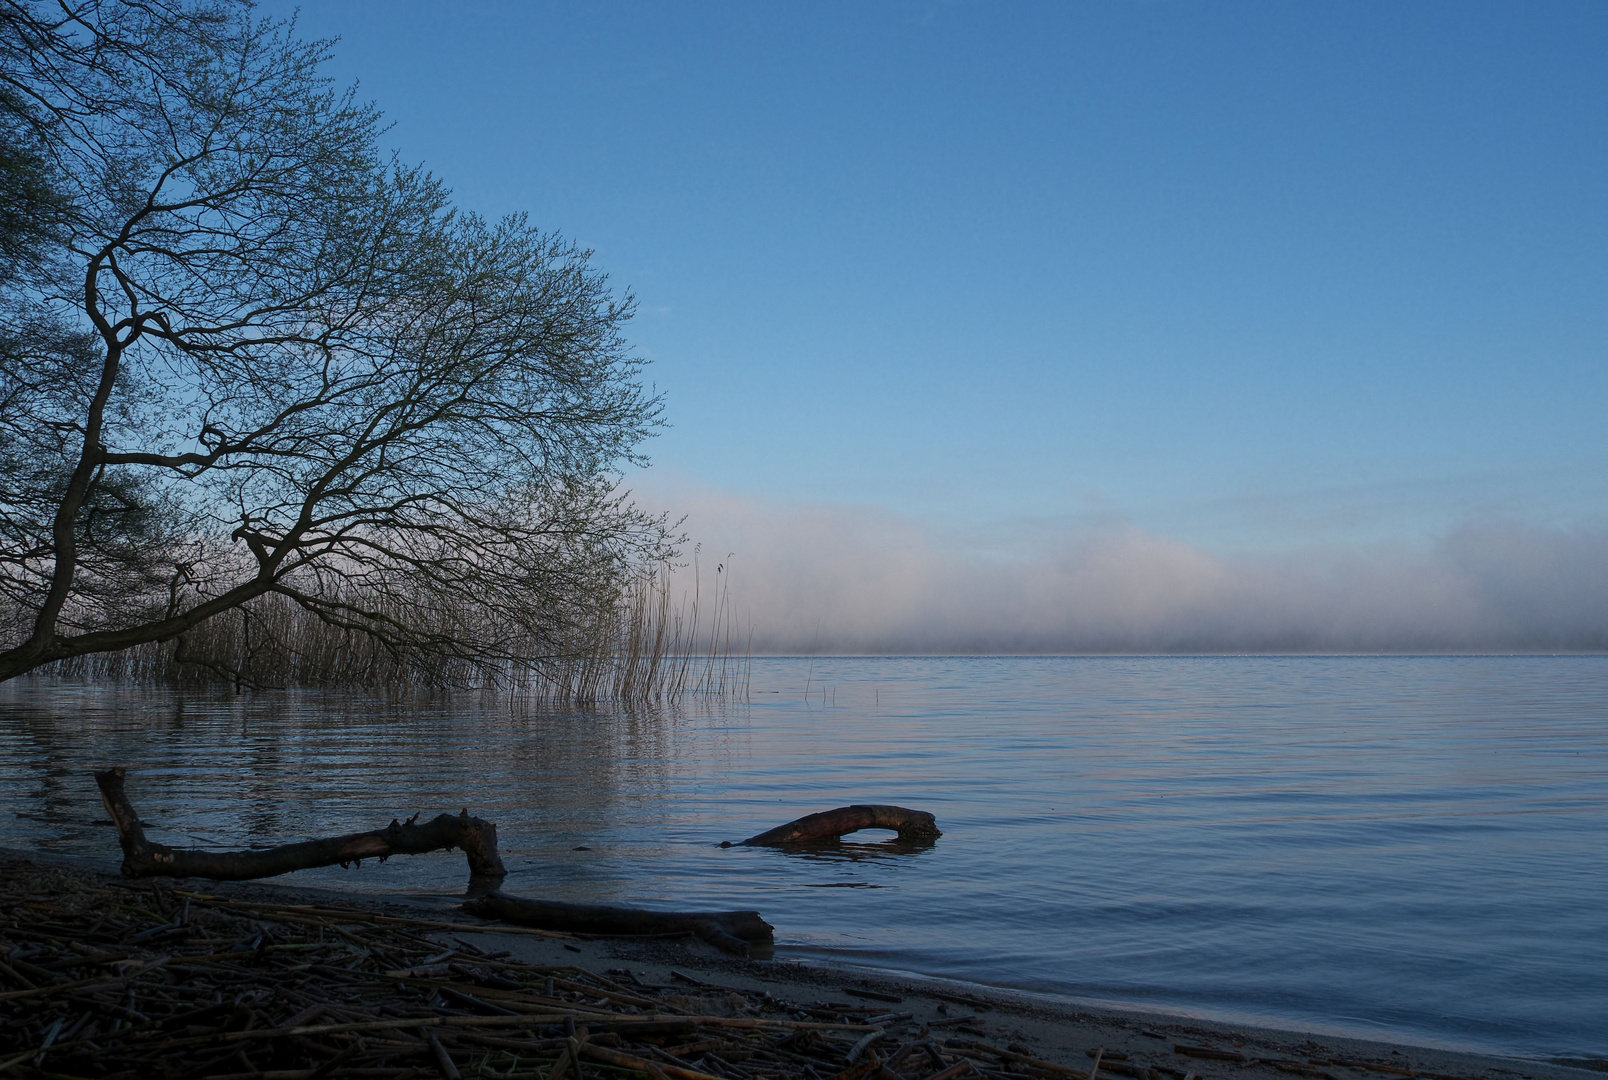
x,y
913,826
732,931
142,858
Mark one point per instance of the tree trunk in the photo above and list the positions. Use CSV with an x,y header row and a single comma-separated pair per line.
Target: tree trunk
x,y
142,858
913,826
732,931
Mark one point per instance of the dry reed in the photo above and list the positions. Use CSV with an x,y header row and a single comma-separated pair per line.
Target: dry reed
x,y
645,645
113,979
122,980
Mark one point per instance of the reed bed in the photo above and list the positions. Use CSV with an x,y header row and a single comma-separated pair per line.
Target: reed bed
x,y
651,642
654,645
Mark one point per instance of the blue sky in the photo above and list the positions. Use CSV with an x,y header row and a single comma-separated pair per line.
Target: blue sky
x,y
1250,278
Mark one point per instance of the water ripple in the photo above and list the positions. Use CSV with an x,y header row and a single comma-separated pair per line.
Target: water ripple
x,y
1405,847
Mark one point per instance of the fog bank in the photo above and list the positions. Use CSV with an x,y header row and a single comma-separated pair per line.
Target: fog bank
x,y
842,580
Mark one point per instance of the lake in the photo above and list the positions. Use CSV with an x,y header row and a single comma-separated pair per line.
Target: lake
x,y
1405,848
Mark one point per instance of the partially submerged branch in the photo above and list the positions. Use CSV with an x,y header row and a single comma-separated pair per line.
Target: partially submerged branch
x,y
732,931
913,826
476,837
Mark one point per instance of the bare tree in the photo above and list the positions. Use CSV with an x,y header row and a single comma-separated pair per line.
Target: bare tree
x,y
251,357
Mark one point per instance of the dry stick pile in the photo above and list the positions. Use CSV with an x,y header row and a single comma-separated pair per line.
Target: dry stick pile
x,y
143,980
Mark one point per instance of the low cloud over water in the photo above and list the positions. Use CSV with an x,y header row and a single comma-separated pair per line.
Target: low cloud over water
x,y
842,580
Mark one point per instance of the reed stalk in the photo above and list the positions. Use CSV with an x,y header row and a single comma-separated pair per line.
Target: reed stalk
x,y
645,644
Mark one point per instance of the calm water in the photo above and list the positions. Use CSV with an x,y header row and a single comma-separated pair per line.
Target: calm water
x,y
1409,848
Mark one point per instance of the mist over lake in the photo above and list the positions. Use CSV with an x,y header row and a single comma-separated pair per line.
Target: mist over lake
x,y
1401,847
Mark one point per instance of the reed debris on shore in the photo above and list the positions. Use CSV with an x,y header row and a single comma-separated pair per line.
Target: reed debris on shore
x,y
143,980
115,979
121,980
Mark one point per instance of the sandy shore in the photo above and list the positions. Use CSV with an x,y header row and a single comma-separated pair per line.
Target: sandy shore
x,y
1065,1034
1010,1028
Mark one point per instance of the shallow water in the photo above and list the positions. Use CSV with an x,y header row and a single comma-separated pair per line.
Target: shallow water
x,y
1405,848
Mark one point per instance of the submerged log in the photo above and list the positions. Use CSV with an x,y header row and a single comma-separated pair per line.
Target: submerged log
x,y
913,826
732,931
142,858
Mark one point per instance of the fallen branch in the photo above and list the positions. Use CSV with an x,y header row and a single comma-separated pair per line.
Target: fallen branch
x,y
913,826
631,1061
290,912
732,931
142,858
